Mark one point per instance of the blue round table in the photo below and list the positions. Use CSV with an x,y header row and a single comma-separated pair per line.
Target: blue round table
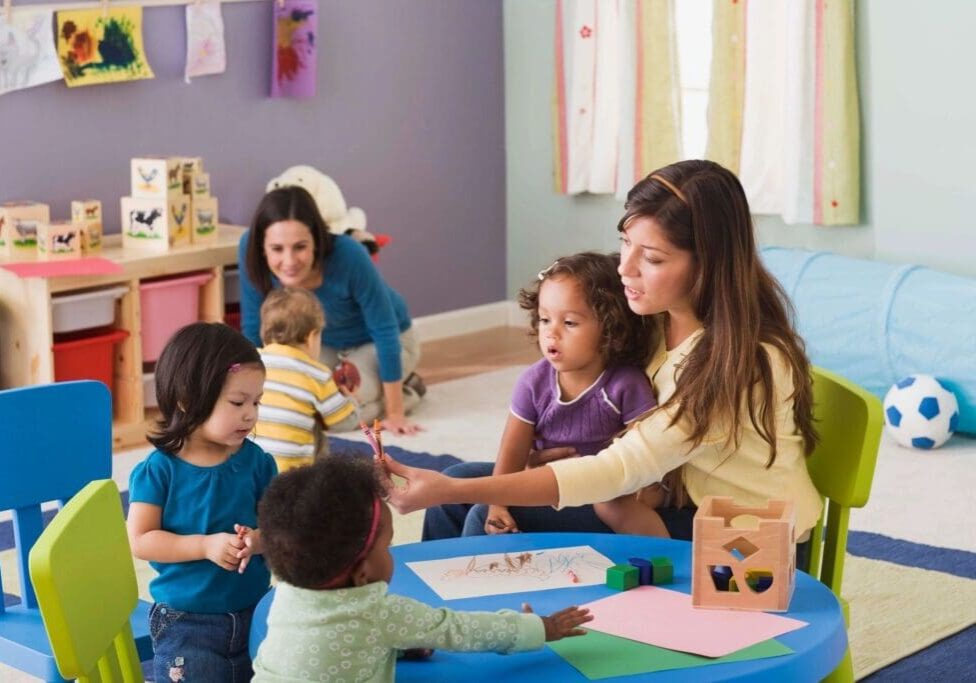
x,y
818,648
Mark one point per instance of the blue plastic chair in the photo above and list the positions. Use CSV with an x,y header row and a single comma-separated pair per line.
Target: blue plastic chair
x,y
54,439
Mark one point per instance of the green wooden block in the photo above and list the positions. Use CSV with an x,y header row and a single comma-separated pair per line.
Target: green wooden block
x,y
662,571
622,577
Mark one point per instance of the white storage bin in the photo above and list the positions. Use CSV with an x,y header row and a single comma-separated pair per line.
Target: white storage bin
x,y
149,390
232,286
71,312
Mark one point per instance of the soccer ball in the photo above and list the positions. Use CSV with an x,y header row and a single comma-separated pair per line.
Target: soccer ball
x,y
920,412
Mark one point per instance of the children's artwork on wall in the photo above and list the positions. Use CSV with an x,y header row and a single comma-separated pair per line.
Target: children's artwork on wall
x,y
294,50
513,572
205,53
27,53
102,45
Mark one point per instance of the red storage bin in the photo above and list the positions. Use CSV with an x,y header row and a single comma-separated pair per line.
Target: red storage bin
x,y
86,355
167,305
232,316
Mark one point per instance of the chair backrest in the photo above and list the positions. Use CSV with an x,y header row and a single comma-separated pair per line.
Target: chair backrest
x,y
54,439
82,570
848,420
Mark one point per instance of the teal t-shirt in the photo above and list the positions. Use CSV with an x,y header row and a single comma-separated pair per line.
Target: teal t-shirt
x,y
205,500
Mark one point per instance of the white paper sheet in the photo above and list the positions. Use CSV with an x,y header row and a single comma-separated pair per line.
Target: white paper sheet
x,y
471,576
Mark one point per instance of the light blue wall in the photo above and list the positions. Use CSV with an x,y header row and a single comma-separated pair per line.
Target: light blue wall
x,y
918,145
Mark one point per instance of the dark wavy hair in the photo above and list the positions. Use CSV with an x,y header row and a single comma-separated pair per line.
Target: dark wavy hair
x,y
702,209
314,519
625,337
290,203
190,375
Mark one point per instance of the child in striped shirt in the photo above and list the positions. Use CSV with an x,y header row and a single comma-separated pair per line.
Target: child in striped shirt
x,y
301,396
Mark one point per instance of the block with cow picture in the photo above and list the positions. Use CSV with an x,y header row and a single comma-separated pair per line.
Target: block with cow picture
x,y
157,177
59,240
155,224
19,223
204,220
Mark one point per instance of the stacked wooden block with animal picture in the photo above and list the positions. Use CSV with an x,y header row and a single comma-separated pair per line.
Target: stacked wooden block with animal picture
x,y
203,206
157,215
87,213
20,223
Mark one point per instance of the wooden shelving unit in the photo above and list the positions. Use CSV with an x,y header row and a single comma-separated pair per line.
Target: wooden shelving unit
x,y
26,336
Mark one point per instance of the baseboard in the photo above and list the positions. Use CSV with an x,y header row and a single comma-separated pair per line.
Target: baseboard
x,y
468,320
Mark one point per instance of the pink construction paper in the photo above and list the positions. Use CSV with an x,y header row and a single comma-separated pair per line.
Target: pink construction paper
x,y
665,618
78,266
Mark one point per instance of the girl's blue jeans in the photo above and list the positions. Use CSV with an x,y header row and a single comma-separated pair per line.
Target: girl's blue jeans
x,y
192,647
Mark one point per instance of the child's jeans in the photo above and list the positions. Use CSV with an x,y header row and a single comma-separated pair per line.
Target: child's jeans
x,y
194,647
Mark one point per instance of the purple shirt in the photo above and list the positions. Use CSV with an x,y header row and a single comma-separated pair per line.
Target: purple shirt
x,y
591,420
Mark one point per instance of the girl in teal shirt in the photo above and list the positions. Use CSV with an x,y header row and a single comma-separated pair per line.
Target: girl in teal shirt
x,y
193,505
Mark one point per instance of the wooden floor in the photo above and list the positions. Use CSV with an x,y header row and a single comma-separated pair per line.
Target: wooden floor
x,y
471,354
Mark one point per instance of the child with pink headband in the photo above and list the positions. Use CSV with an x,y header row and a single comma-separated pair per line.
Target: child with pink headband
x,y
332,617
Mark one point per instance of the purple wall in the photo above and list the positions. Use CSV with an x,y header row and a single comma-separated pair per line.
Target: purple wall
x,y
409,120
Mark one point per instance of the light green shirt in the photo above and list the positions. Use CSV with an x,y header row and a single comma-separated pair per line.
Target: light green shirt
x,y
352,634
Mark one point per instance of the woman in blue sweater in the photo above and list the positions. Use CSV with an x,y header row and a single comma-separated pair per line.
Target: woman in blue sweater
x,y
366,321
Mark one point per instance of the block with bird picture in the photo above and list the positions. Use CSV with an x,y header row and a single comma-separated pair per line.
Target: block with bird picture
x,y
156,177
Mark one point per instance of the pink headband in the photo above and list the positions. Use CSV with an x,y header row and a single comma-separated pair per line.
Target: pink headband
x,y
374,526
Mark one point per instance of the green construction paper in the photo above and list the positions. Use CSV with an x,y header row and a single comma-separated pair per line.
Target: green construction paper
x,y
599,655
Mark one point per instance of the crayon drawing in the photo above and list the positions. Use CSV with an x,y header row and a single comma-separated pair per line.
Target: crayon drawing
x,y
513,572
27,53
294,50
101,46
205,53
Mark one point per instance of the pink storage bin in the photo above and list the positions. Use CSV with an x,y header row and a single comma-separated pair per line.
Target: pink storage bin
x,y
167,304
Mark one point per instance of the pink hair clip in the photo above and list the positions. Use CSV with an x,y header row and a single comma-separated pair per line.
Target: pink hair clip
x,y
234,368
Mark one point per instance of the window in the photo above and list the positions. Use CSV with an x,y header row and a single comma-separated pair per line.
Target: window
x,y
693,24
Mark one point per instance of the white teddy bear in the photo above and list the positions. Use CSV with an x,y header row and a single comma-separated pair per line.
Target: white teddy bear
x,y
342,220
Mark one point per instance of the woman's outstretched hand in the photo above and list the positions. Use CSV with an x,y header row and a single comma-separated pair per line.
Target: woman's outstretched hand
x,y
421,488
400,424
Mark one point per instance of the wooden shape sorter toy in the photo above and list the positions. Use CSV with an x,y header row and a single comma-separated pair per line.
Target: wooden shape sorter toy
x,y
747,542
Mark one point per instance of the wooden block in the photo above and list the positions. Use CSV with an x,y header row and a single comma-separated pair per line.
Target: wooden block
x,y
86,211
662,571
643,570
200,185
59,240
755,544
190,166
203,228
156,177
91,238
622,577
154,224
19,223
180,220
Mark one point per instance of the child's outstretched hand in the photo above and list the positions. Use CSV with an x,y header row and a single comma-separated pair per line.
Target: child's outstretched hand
x,y
222,549
252,545
564,623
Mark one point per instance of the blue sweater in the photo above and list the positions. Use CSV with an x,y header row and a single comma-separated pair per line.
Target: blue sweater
x,y
359,306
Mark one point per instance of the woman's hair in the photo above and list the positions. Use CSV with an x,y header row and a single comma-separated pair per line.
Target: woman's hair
x,y
314,519
190,375
702,209
289,315
625,338
291,203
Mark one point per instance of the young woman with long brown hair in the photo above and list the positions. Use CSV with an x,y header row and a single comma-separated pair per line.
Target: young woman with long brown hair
x,y
729,371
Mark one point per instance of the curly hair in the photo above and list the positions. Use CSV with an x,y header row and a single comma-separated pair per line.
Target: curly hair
x,y
314,519
625,336
190,375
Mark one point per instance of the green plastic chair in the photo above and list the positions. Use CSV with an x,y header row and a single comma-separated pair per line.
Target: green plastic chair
x,y
82,571
849,421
